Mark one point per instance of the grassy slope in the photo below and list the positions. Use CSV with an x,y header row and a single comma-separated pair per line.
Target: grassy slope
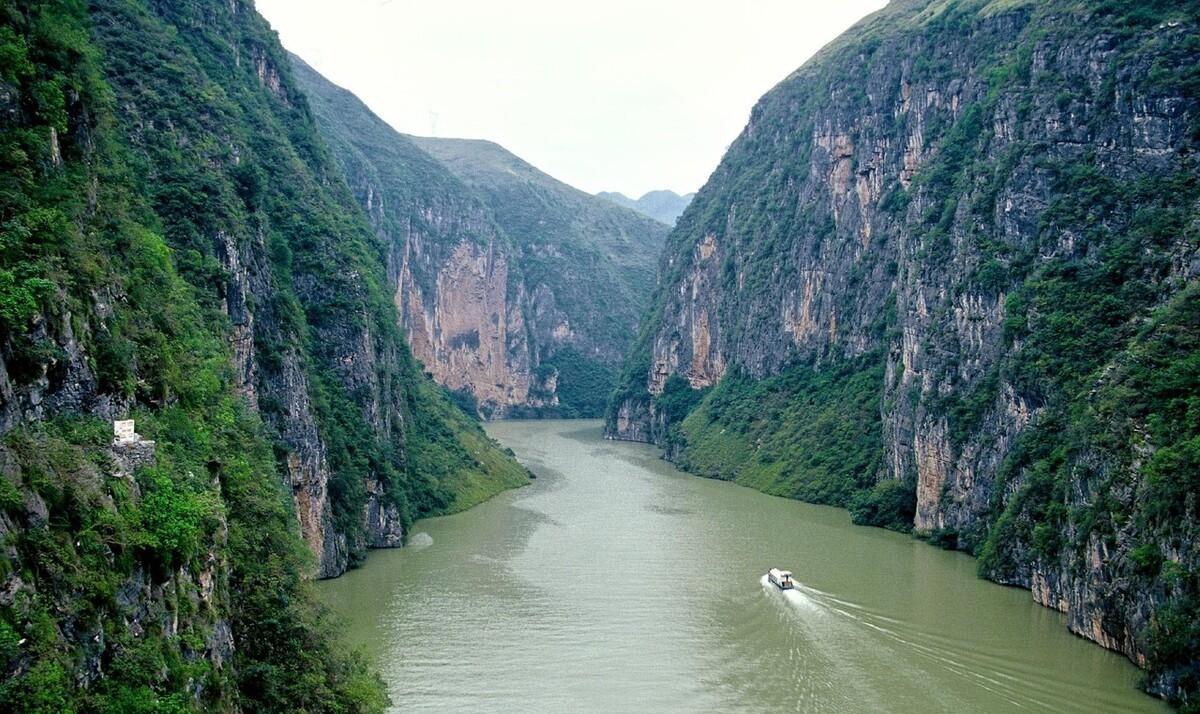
x,y
454,449
810,435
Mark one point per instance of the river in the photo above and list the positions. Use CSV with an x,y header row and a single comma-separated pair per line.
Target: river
x,y
615,583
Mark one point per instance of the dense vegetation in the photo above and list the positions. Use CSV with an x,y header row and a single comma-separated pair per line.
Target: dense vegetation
x,y
583,384
77,531
1033,264
138,152
1144,401
329,267
805,434
212,497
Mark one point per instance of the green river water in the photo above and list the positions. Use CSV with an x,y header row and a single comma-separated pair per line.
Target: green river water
x,y
615,583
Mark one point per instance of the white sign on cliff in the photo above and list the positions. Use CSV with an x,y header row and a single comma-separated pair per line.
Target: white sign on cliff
x,y
123,432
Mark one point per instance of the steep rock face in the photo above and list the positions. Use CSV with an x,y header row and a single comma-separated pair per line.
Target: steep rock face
x,y
465,331
306,465
451,271
588,266
495,311
998,213
314,337
178,247
238,232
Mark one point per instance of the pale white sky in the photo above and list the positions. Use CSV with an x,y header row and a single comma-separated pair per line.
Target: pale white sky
x,y
609,95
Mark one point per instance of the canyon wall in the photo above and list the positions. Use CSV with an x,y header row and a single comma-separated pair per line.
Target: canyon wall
x,y
517,292
180,248
961,240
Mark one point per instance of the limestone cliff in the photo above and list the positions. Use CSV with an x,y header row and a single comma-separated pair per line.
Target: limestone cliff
x,y
516,291
972,228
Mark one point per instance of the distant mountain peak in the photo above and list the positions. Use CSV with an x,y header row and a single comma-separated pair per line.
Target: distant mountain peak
x,y
662,205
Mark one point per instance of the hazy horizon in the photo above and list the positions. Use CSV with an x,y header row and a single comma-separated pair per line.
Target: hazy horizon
x,y
625,97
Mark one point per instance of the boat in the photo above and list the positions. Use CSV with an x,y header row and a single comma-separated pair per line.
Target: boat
x,y
781,579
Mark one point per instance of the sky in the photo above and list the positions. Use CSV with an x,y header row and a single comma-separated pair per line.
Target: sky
x,y
615,95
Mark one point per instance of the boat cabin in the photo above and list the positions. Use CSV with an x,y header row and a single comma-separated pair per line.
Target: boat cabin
x,y
781,579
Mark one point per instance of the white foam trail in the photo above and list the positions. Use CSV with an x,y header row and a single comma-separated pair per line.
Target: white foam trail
x,y
813,600
420,541
793,596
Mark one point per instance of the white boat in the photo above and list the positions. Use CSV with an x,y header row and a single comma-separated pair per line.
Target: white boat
x,y
781,579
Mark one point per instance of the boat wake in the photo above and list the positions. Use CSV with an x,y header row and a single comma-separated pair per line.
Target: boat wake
x,y
420,541
828,617
797,596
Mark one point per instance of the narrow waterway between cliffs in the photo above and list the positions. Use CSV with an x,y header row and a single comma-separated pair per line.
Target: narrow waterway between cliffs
x,y
615,583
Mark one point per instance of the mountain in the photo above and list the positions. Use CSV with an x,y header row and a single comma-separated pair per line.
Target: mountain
x,y
180,249
587,266
517,291
947,277
663,206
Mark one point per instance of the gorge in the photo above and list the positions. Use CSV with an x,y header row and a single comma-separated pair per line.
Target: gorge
x,y
945,278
